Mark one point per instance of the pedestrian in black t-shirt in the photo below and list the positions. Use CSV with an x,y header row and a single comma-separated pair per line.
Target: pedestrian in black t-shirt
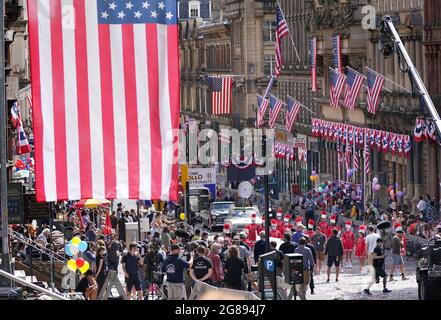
x,y
130,264
288,246
234,269
379,256
259,247
201,269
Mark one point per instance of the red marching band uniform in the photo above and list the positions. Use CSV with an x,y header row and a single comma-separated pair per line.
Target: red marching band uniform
x,y
279,220
323,224
284,226
333,226
253,229
274,233
310,232
360,245
348,238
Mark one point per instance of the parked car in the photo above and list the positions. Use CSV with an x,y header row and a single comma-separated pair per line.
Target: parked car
x,y
240,217
216,215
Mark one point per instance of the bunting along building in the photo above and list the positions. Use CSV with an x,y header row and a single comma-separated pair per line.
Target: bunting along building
x,y
398,108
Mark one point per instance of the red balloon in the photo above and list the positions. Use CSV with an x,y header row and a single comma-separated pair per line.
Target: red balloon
x,y
80,262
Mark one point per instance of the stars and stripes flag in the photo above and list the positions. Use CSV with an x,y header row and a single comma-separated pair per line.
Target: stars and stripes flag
x,y
336,52
375,85
221,94
348,156
262,106
105,98
340,153
367,158
282,31
313,62
275,107
354,83
22,145
29,99
337,83
292,111
356,161
15,115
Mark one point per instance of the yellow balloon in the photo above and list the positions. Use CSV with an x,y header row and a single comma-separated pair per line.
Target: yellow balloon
x,y
72,265
182,216
85,267
76,240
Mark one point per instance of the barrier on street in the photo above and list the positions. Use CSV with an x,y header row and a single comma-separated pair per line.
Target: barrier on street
x,y
201,288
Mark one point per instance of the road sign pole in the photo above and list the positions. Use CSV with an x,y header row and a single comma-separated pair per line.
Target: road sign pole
x,y
6,261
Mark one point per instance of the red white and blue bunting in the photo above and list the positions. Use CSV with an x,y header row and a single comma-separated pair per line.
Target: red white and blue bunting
x,y
383,141
424,130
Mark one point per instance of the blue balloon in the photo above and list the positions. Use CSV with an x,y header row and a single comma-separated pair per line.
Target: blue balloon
x,y
82,246
67,250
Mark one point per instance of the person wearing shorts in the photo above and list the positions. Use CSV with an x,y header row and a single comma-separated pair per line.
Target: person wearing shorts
x,y
130,264
318,240
397,259
334,251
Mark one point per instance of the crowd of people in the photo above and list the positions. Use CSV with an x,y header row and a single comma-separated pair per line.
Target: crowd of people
x,y
177,255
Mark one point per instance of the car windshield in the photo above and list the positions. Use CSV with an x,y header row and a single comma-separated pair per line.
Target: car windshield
x,y
222,206
243,213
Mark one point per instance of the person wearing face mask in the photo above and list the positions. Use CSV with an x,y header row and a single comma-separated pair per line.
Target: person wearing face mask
x,y
218,272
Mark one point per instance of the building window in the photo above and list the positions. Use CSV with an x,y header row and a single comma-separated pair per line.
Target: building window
x,y
269,31
268,65
194,8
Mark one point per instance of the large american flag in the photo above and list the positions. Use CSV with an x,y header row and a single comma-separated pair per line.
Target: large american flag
x,y
375,85
105,88
275,107
337,83
282,31
221,94
354,83
313,63
262,106
336,52
292,111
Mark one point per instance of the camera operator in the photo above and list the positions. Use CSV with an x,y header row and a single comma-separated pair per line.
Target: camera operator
x,y
152,264
174,267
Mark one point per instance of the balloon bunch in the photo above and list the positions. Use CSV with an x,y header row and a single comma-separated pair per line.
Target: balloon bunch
x,y
314,177
72,249
375,186
182,216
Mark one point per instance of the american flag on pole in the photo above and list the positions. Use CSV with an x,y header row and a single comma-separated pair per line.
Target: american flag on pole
x,y
348,156
29,99
106,98
340,153
354,83
313,63
262,106
336,52
337,83
275,107
282,31
292,111
367,158
375,85
15,115
221,94
23,145
356,160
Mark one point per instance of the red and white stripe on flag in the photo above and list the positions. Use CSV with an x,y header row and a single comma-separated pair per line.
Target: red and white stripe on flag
x,y
221,100
105,102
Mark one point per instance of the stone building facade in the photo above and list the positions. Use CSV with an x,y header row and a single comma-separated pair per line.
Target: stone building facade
x,y
398,107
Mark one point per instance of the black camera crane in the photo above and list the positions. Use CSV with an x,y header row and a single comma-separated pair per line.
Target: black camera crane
x,y
391,43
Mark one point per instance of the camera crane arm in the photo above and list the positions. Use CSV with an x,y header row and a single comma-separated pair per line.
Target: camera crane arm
x,y
388,26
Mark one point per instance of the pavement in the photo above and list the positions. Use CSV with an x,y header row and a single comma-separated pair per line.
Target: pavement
x,y
352,283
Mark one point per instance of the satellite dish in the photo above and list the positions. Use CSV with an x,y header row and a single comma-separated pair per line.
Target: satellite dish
x,y
245,189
